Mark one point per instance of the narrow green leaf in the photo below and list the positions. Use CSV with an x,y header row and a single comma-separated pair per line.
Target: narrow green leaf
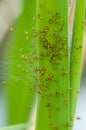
x,y
53,102
76,55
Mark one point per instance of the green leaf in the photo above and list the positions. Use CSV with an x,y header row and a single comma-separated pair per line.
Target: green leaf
x,y
19,59
76,55
53,99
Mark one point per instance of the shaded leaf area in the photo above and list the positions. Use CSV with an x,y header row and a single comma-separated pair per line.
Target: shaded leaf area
x,y
16,127
21,62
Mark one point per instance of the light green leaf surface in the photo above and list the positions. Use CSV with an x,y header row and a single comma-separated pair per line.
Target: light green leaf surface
x,y
38,63
19,68
53,102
